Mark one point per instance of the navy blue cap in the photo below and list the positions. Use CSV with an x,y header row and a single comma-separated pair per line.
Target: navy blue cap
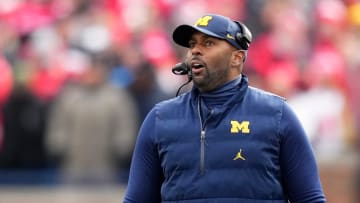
x,y
216,26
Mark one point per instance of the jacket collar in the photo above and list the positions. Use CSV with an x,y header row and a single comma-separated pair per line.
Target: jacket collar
x,y
242,87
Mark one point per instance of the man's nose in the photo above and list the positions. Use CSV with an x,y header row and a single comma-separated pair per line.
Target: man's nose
x,y
195,50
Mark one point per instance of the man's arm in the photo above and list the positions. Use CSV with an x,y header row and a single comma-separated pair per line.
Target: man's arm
x,y
298,165
145,172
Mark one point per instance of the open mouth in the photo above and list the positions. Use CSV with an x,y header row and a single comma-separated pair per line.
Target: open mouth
x,y
196,66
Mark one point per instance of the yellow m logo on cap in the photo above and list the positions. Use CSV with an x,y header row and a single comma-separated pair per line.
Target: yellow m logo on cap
x,y
204,21
242,126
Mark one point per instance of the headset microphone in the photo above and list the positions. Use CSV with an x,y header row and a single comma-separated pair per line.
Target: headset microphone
x,y
182,69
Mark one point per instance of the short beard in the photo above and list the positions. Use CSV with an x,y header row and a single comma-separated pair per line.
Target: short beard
x,y
212,80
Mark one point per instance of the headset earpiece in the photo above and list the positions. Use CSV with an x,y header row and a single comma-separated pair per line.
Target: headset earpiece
x,y
244,36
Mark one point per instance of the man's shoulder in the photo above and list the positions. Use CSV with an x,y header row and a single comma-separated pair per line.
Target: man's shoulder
x,y
173,105
175,101
263,99
265,94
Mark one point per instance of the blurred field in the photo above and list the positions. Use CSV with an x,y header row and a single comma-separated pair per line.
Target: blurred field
x,y
338,180
339,183
108,194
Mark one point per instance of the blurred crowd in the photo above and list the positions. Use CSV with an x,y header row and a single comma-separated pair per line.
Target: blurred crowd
x,y
77,77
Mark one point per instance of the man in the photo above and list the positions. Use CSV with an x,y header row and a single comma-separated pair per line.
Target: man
x,y
92,126
223,141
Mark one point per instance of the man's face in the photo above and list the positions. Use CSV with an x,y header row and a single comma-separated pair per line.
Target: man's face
x,y
210,60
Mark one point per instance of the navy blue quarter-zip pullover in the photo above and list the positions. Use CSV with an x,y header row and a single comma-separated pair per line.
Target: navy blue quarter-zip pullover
x,y
241,145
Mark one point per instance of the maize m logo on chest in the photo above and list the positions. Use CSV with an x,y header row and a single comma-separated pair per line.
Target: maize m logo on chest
x,y
240,126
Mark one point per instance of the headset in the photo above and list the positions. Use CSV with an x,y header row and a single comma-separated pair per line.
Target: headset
x,y
244,36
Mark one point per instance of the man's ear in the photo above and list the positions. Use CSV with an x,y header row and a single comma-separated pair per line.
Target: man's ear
x,y
237,58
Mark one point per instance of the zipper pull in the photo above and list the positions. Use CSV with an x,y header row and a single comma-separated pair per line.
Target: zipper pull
x,y
202,152
202,135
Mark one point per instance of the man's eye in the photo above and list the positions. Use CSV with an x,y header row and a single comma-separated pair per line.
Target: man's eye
x,y
209,43
191,44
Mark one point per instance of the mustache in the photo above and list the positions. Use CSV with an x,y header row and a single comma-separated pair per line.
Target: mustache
x,y
197,59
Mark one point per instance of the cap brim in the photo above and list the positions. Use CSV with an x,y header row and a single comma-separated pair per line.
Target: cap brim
x,y
183,33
